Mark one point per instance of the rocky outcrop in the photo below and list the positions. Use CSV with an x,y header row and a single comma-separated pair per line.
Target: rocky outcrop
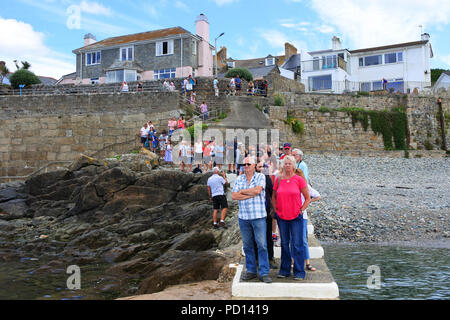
x,y
151,225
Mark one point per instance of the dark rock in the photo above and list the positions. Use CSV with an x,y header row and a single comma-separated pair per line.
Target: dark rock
x,y
94,239
87,199
145,236
189,267
113,180
195,193
37,184
83,161
194,240
135,266
170,180
14,209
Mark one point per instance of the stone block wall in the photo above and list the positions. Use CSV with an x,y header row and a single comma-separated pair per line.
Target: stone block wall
x,y
325,131
37,130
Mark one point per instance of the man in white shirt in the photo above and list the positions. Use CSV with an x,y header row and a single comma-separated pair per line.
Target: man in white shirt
x,y
144,134
217,196
216,87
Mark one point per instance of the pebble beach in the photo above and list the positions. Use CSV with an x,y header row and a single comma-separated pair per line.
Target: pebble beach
x,y
367,199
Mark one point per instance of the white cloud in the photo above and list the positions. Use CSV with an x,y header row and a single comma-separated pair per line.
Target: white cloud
x,y
324,29
373,23
182,6
224,2
151,10
95,8
23,43
277,39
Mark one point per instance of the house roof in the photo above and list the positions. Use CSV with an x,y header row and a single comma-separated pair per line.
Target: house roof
x,y
130,38
47,81
261,72
255,63
392,46
293,62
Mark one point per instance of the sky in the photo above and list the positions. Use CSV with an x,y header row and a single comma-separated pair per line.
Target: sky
x,y
44,32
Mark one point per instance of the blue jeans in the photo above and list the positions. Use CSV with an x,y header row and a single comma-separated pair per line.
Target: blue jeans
x,y
255,230
291,234
305,241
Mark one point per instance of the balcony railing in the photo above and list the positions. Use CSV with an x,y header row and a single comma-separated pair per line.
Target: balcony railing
x,y
324,64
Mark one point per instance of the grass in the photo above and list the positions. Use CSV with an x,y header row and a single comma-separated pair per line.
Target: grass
x,y
324,109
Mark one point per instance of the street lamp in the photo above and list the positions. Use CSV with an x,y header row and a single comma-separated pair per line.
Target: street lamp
x,y
215,49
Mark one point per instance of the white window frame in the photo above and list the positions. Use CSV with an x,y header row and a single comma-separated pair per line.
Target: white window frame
x,y
127,58
270,59
97,54
372,55
160,45
157,73
194,47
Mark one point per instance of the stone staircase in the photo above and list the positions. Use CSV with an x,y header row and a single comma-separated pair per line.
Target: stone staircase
x,y
318,285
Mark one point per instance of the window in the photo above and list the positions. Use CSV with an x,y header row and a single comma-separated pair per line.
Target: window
x,y
316,63
93,58
230,64
164,73
164,48
377,85
94,80
395,86
320,83
270,61
390,58
399,56
130,75
361,62
329,62
194,47
114,76
372,60
127,54
365,86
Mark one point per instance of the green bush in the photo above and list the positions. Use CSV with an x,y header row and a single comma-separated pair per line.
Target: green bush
x,y
257,106
428,145
242,72
25,77
362,94
278,100
298,127
324,109
196,128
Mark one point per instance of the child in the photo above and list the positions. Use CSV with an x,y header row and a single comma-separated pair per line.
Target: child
x,y
162,144
168,155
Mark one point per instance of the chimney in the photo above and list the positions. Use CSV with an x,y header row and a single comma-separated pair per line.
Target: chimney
x,y
202,27
335,43
89,39
425,36
289,51
222,57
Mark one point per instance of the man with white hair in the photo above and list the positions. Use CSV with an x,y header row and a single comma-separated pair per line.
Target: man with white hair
x,y
217,196
298,154
249,190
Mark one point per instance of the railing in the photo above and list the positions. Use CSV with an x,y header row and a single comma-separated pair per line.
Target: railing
x,y
325,63
328,86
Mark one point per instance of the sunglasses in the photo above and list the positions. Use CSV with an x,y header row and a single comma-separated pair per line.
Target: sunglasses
x,y
247,164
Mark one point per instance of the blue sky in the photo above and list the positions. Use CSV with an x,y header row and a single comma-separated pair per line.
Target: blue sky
x,y
43,33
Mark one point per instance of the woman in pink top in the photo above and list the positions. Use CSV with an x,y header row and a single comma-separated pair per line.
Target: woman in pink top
x,y
288,205
181,123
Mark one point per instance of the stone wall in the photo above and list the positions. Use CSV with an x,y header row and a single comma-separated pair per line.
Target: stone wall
x,y
422,111
36,130
325,131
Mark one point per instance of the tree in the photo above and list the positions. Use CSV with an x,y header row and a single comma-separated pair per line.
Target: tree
x,y
26,65
242,72
23,76
435,74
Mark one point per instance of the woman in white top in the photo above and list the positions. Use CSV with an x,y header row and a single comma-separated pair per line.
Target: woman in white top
x,y
124,87
198,149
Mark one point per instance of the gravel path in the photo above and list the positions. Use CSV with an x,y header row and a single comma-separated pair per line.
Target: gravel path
x,y
380,199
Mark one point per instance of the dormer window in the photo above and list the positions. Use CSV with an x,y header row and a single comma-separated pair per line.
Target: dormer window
x,y
230,64
164,48
270,61
93,58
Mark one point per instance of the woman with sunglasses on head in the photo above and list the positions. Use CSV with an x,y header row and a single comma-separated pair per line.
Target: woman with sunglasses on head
x,y
289,207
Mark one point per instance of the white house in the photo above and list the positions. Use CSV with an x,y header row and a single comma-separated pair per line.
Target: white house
x,y
405,66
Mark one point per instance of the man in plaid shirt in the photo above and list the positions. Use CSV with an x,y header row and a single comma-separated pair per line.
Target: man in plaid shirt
x,y
249,190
